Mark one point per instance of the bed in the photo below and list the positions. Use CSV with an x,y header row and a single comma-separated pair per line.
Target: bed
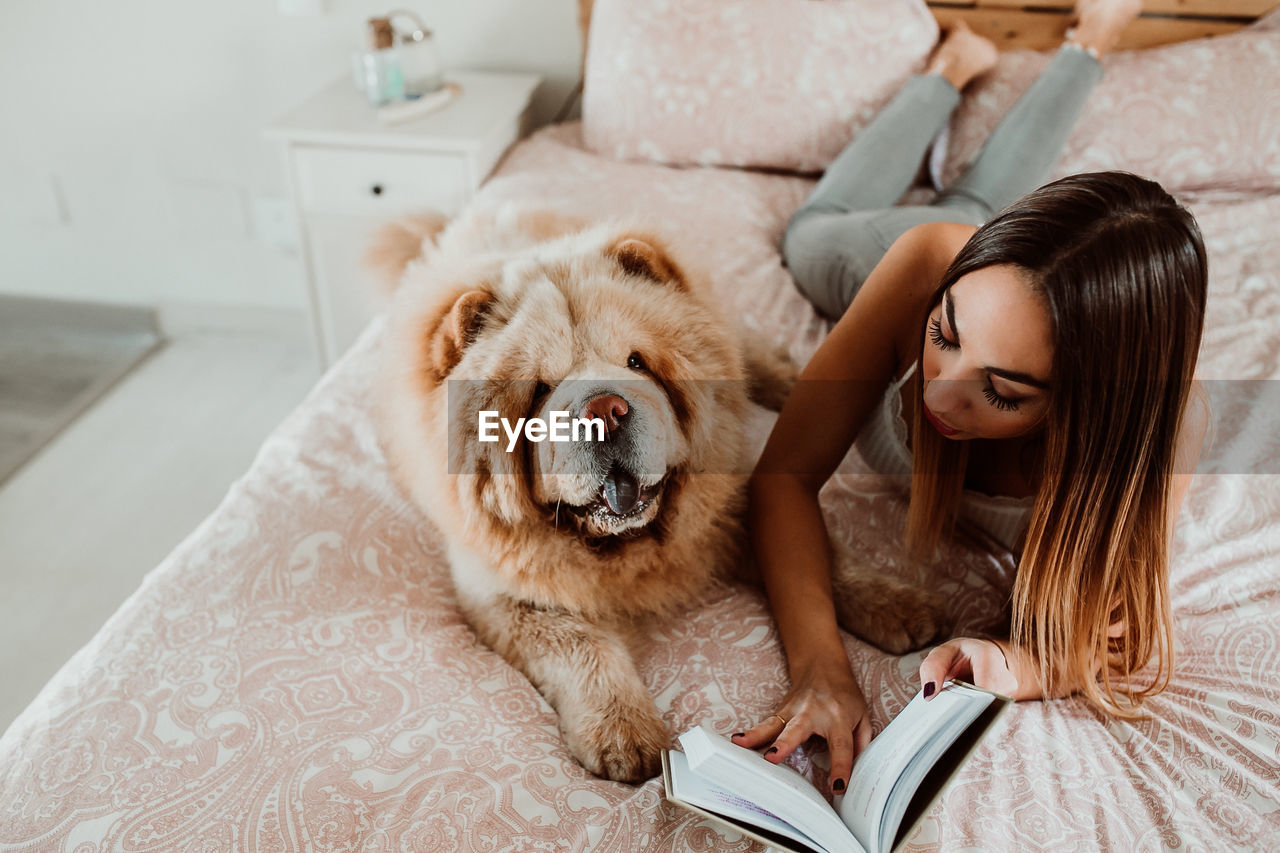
x,y
296,674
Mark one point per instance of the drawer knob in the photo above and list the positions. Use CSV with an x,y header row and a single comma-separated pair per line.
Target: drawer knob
x,y
376,189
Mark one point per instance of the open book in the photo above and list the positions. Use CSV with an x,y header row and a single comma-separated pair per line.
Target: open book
x,y
893,783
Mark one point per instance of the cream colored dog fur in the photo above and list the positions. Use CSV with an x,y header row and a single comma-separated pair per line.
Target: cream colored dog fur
x,y
562,556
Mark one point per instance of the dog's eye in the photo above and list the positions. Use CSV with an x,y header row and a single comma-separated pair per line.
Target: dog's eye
x,y
635,362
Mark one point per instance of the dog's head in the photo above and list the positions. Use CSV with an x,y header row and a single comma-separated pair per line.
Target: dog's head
x,y
598,336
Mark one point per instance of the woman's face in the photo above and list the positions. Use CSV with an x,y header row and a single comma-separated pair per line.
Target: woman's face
x,y
988,353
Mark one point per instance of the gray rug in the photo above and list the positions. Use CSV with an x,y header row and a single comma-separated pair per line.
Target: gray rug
x,y
56,358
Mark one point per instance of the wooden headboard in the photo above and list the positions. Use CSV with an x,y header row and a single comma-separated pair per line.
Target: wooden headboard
x,y
1039,24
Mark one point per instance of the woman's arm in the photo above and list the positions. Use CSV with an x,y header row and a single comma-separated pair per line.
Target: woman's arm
x,y
837,390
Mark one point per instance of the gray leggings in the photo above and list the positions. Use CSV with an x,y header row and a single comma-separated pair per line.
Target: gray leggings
x,y
848,222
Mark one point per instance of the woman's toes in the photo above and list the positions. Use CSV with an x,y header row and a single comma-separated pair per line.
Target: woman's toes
x,y
1099,23
963,55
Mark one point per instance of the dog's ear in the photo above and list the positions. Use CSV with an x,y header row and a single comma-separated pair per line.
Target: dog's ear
x,y
646,255
457,328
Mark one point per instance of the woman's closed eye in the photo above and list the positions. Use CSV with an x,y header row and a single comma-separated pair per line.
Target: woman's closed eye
x,y
1002,403
935,333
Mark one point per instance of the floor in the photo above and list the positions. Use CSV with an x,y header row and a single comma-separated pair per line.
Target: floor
x,y
55,361
105,501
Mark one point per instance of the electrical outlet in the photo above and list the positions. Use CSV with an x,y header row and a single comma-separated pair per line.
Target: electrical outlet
x,y
275,224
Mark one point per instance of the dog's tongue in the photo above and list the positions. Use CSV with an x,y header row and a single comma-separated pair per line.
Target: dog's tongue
x,y
620,491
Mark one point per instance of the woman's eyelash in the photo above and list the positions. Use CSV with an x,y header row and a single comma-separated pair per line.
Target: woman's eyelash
x,y
1004,404
935,333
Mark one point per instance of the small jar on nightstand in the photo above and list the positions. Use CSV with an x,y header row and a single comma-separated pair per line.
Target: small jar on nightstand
x,y
348,174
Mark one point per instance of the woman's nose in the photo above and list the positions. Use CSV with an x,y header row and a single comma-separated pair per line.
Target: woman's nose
x,y
945,396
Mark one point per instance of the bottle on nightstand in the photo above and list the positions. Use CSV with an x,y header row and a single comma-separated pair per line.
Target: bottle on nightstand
x,y
400,66
378,72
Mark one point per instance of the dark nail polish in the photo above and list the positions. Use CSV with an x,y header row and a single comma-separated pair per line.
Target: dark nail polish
x,y
737,734
771,750
838,786
928,690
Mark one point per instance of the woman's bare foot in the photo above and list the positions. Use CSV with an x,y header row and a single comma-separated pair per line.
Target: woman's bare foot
x,y
962,55
1099,23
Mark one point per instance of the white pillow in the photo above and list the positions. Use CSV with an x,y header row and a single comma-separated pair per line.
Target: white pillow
x,y
781,84
1202,114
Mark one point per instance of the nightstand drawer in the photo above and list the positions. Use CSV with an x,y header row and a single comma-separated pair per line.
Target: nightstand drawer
x,y
355,182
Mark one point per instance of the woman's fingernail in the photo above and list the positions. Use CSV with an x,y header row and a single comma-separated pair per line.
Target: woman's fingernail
x,y
838,786
738,734
771,750
928,690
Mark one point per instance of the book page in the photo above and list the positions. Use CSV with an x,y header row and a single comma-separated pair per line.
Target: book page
x,y
693,789
778,789
880,774
925,759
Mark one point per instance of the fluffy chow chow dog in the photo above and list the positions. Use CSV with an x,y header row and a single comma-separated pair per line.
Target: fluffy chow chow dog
x,y
563,552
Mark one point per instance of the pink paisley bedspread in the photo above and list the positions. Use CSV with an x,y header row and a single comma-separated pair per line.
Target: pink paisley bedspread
x,y
296,675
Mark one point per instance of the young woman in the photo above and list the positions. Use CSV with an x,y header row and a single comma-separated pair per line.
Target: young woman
x,y
1044,362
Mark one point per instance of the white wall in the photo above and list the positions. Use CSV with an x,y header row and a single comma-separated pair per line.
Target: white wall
x,y
131,153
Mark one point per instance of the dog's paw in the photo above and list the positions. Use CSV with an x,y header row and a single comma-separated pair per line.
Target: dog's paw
x,y
620,743
888,613
771,371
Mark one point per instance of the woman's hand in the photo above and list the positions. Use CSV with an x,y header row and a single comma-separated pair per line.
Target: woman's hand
x,y
823,701
981,662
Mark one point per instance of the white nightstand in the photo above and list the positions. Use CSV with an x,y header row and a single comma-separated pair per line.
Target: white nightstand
x,y
349,173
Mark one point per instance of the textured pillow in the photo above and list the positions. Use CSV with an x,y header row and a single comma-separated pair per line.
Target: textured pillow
x,y
781,84
1202,114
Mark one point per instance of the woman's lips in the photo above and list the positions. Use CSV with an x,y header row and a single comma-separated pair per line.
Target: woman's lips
x,y
937,424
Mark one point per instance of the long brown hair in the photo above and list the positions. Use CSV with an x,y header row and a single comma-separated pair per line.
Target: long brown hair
x,y
1122,271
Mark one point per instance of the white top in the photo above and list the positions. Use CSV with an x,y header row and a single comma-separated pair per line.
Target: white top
x,y
883,444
